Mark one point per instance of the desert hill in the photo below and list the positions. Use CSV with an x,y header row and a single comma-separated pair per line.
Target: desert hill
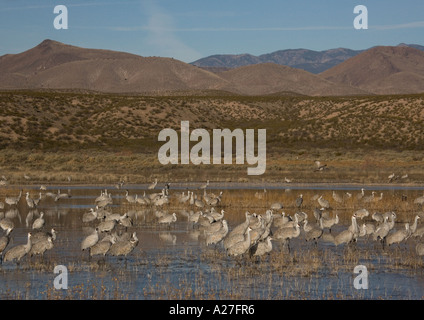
x,y
382,70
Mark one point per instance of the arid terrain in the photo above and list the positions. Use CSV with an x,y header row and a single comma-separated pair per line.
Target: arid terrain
x,y
105,137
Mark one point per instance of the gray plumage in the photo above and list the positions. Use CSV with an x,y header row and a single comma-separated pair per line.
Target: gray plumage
x,y
123,248
299,201
4,241
218,236
43,236
168,219
328,223
41,246
106,226
277,206
241,247
287,233
398,236
262,247
102,246
39,222
323,203
420,249
6,223
361,213
89,216
19,251
90,240
13,201
337,197
347,236
378,217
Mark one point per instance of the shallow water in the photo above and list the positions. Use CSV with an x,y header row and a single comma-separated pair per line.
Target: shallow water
x,y
174,262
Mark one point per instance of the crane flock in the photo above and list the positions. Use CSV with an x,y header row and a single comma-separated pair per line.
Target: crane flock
x,y
253,237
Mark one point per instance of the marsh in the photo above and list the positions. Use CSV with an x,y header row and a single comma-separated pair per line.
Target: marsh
x,y
174,262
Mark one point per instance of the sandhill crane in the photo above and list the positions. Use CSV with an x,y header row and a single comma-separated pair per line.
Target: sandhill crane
x,y
276,206
60,195
42,236
311,232
205,185
39,222
361,213
368,229
106,226
19,251
346,236
240,247
6,223
260,195
299,201
288,180
4,241
168,219
216,237
130,198
419,248
30,202
320,166
391,177
216,216
238,233
419,200
328,223
413,227
89,216
103,196
379,198
90,240
301,216
262,247
102,246
125,221
323,203
370,198
399,235
378,217
257,232
286,234
216,200
382,231
123,248
13,201
280,220
318,214
153,185
337,197
198,203
41,246
213,227
184,199
359,196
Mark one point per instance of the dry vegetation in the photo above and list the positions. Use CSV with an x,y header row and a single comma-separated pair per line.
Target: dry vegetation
x,y
362,139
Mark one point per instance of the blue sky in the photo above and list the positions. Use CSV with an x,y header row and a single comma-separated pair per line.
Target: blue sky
x,y
189,30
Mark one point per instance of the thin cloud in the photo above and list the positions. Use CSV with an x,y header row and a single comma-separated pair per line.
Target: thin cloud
x,y
161,35
409,25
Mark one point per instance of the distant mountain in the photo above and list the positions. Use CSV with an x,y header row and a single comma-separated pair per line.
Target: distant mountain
x,y
269,78
54,65
382,70
308,60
